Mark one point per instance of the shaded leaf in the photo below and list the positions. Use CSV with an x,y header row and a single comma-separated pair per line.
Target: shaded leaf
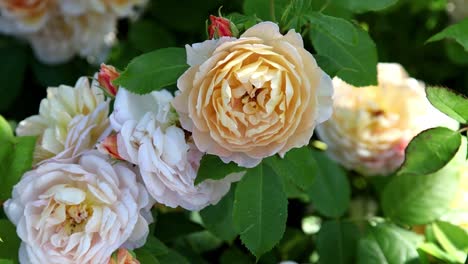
x,y
212,167
449,102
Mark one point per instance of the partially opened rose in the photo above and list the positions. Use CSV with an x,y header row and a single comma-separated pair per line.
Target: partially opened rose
x,y
70,121
371,126
78,213
166,156
249,98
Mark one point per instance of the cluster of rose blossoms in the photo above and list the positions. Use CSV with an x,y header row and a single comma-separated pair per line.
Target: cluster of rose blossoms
x,y
97,174
61,29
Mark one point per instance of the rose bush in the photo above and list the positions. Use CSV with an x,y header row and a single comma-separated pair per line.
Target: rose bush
x,y
249,98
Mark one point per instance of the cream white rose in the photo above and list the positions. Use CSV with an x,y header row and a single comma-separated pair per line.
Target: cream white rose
x,y
70,121
371,126
24,15
249,98
168,160
87,35
121,8
78,213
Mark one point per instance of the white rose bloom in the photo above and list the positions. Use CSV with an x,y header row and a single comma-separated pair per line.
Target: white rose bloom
x,y
168,161
63,37
71,120
371,126
78,213
122,8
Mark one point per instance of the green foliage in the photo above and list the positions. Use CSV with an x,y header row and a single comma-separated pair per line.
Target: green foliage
x,y
348,46
422,198
387,243
456,32
16,156
330,192
12,71
212,167
218,218
267,10
430,151
153,71
260,209
337,242
360,6
146,36
297,167
9,241
449,102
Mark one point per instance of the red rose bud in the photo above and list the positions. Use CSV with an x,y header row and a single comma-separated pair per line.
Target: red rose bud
x,y
220,27
106,75
109,146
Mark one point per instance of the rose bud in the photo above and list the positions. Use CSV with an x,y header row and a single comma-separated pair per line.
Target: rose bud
x,y
107,74
109,146
221,27
123,256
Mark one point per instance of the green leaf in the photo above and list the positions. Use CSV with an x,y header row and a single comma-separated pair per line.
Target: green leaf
x,y
358,58
145,256
212,167
458,32
267,10
166,221
449,102
453,239
203,241
298,166
295,15
234,256
436,251
337,242
17,162
173,257
330,192
155,246
294,244
153,71
260,209
6,139
10,246
361,6
330,66
146,35
430,150
388,244
419,199
218,218
12,71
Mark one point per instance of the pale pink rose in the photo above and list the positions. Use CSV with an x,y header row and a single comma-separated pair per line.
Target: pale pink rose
x,y
168,161
71,120
78,213
24,15
249,98
371,126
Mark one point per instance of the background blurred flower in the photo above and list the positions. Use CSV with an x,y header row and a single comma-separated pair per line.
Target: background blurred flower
x,y
249,98
167,159
24,15
371,126
70,121
78,213
457,9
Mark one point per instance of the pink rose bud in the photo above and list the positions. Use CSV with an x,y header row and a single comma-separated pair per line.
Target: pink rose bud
x,y
219,27
106,75
123,256
109,146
